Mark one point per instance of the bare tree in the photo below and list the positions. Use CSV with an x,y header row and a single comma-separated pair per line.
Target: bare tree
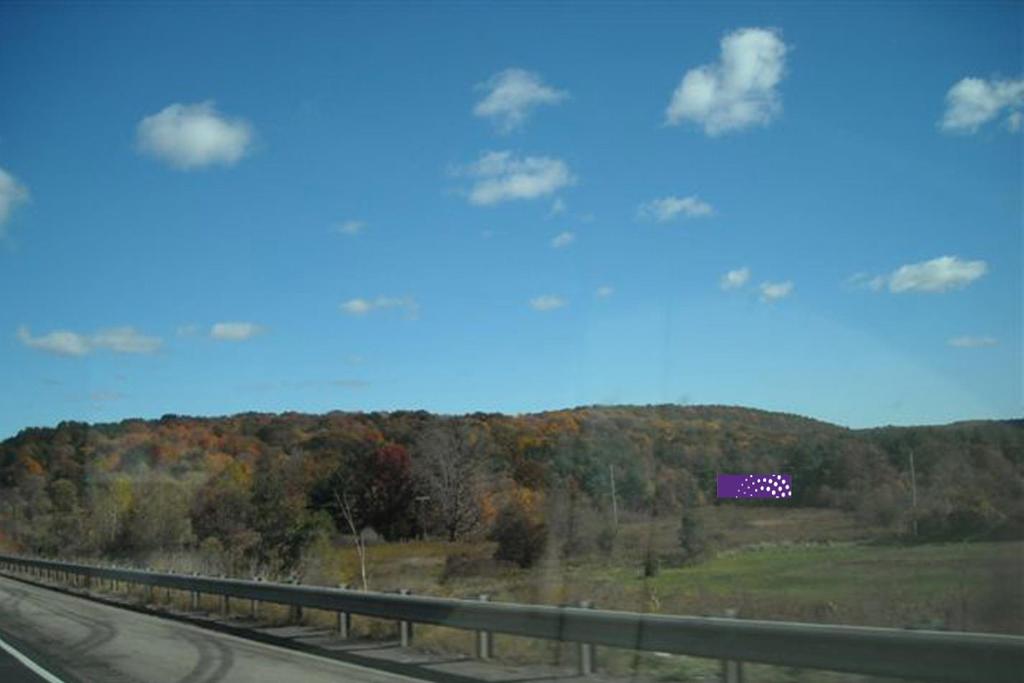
x,y
344,506
449,468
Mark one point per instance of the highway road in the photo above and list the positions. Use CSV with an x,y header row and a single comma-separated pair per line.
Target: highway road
x,y
79,641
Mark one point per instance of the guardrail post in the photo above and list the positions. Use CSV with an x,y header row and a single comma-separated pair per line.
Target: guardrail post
x,y
586,650
405,627
344,619
296,610
484,639
225,601
194,600
732,670
254,606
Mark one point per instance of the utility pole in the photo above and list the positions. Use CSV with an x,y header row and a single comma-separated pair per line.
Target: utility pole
x,y
615,504
913,495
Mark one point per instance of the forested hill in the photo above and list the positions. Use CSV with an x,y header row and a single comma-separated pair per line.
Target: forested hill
x,y
970,476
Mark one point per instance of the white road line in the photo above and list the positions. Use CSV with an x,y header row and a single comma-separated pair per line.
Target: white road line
x,y
29,664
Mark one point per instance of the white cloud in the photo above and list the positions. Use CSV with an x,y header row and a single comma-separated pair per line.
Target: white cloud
x,y
558,207
502,177
668,208
547,302
125,340
12,193
234,331
60,342
773,291
973,102
563,239
938,275
512,95
193,135
735,279
604,291
189,330
350,227
739,90
967,342
364,306
67,343
357,306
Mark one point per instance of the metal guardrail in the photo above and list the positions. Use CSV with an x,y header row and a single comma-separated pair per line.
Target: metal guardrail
x,y
952,657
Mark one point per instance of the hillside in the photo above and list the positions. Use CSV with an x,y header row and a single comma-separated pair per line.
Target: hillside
x,y
265,484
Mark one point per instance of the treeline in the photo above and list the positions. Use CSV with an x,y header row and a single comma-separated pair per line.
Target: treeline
x,y
260,488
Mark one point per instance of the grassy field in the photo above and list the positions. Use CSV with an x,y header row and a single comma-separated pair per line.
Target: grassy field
x,y
794,565
806,565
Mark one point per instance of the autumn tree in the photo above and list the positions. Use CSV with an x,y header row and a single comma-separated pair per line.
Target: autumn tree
x,y
109,504
159,517
223,510
279,512
449,470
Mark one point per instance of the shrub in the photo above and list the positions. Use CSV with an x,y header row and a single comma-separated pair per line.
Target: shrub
x,y
520,538
606,539
652,564
693,536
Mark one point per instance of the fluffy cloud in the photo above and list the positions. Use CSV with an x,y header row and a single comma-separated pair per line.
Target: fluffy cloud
x,y
60,342
938,275
350,227
194,135
512,95
773,291
558,207
500,177
125,340
737,92
547,302
67,343
364,306
604,291
563,239
234,331
668,208
973,102
12,193
735,279
972,342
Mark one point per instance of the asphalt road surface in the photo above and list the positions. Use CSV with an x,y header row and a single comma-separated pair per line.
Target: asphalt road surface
x,y
79,641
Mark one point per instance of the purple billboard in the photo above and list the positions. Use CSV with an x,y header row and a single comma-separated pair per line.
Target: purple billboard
x,y
755,486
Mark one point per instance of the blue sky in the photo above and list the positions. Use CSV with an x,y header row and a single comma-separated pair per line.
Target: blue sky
x,y
209,209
